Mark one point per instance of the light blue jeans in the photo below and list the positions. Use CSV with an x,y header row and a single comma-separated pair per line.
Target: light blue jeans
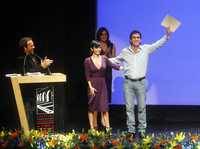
x,y
135,91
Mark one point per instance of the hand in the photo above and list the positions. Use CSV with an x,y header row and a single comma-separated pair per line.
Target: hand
x,y
121,68
46,62
92,91
168,32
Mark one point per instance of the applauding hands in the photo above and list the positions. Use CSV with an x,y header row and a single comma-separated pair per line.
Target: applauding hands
x,y
46,62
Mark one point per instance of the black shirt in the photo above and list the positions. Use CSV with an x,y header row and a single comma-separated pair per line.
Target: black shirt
x,y
32,63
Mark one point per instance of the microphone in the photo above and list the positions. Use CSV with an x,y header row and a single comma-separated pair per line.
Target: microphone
x,y
24,65
38,56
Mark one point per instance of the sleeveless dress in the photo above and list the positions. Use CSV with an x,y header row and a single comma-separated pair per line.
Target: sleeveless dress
x,y
97,77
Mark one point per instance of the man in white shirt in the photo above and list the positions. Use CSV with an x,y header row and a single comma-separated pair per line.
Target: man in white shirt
x,y
135,58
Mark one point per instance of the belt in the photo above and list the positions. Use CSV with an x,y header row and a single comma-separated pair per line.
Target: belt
x,y
138,79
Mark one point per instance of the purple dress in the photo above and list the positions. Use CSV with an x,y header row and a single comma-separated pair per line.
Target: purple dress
x,y
97,76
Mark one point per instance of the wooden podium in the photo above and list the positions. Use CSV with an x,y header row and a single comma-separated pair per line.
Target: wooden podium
x,y
16,80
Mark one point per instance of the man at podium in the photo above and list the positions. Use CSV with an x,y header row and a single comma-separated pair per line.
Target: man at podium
x,y
39,94
33,62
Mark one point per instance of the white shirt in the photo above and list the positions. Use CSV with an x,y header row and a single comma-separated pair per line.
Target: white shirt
x,y
135,64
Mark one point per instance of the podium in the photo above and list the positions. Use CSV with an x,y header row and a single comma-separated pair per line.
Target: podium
x,y
16,80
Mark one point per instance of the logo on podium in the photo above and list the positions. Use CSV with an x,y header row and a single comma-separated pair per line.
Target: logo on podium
x,y
45,108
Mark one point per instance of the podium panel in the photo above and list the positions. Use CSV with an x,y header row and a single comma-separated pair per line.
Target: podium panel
x,y
16,80
45,108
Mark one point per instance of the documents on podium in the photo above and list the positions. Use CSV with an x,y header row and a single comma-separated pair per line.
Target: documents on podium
x,y
171,22
17,79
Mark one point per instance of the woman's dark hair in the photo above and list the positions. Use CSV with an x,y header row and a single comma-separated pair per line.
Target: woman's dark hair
x,y
23,41
99,33
135,32
94,44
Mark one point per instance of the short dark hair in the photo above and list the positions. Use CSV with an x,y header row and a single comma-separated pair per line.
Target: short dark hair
x,y
94,44
135,32
23,41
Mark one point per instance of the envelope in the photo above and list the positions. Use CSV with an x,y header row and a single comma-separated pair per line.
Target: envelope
x,y
171,22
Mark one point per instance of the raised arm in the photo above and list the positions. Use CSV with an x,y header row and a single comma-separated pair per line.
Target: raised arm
x,y
160,42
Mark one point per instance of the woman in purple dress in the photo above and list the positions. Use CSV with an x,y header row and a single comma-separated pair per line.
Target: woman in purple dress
x,y
95,72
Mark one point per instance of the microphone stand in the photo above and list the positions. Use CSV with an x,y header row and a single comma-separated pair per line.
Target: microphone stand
x,y
24,66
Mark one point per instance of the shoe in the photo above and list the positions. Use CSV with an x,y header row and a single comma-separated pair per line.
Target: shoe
x,y
102,128
108,130
131,135
141,135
